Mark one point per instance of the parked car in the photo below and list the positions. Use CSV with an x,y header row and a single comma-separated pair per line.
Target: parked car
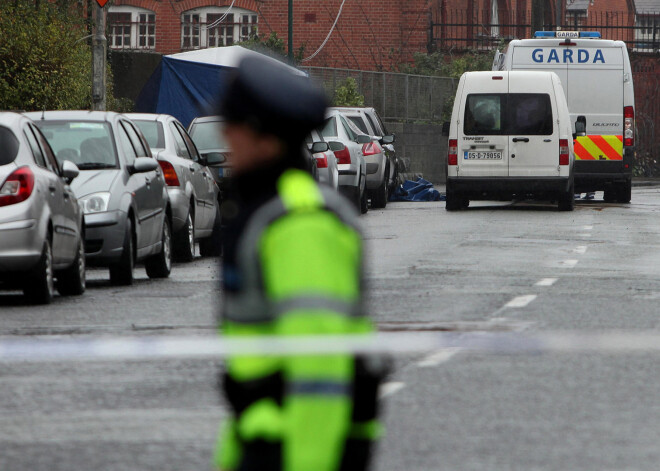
x,y
206,133
121,187
347,142
41,224
191,187
381,181
326,161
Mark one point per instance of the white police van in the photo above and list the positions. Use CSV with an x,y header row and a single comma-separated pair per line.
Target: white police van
x,y
597,79
510,138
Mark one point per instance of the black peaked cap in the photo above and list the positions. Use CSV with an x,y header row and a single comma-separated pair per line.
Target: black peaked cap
x,y
272,99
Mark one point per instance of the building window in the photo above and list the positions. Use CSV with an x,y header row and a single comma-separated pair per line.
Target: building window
x,y
131,28
215,26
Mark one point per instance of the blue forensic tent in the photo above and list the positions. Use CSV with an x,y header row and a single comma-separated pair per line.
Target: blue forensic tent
x,y
187,85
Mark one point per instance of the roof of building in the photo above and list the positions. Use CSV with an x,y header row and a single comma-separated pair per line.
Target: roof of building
x,y
647,6
579,5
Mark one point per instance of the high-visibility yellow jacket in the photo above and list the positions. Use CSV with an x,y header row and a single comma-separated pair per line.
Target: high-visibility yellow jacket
x,y
298,270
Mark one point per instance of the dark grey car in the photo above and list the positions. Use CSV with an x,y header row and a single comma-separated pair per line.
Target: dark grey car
x,y
41,229
121,189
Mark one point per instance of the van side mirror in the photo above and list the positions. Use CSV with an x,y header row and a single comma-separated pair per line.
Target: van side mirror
x,y
319,147
445,128
581,126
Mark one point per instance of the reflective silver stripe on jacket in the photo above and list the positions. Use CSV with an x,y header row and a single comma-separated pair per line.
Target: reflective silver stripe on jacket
x,y
319,388
250,304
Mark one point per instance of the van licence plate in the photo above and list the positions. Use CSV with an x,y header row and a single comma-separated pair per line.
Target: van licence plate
x,y
470,155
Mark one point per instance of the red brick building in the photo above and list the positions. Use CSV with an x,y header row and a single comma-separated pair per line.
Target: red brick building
x,y
368,35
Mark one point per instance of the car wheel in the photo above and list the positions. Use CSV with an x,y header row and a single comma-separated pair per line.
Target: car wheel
x,y
71,281
184,240
364,200
379,196
121,273
160,265
212,246
39,286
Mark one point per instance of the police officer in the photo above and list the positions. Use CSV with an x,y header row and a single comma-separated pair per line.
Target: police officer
x,y
292,266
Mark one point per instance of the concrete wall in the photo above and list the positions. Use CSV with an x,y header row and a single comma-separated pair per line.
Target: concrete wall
x,y
423,147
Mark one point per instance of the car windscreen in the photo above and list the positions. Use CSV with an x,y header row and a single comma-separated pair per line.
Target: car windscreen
x,y
153,132
359,123
507,114
8,146
208,136
328,128
87,144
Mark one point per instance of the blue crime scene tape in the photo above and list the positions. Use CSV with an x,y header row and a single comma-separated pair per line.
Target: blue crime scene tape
x,y
393,343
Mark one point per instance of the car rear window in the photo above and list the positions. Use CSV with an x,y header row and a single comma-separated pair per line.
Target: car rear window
x,y
153,133
87,144
506,114
8,146
208,136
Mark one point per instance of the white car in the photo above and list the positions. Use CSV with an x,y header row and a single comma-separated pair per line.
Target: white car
x,y
190,185
346,141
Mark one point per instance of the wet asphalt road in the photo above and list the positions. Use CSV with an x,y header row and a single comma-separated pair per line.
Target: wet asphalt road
x,y
595,269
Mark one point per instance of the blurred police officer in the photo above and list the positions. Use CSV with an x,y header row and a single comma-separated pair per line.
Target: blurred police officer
x,y
292,266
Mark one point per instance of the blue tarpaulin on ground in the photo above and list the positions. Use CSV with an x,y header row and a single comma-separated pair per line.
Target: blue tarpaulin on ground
x,y
419,190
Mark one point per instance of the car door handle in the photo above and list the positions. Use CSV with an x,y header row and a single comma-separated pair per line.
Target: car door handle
x,y
52,189
520,139
192,168
147,181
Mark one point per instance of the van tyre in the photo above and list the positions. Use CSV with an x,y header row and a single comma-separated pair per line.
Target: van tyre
x,y
212,246
184,240
121,273
71,281
160,265
455,202
566,200
39,286
624,193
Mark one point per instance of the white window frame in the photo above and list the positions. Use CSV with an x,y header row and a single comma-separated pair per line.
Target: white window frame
x,y
238,26
141,28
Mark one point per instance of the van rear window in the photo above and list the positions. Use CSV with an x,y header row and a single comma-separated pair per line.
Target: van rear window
x,y
506,114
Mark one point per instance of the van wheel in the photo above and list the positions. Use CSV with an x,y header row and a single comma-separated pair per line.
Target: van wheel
x,y
624,193
160,265
566,201
456,202
121,273
71,281
39,286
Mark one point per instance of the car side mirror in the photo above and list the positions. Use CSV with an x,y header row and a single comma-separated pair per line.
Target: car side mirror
x,y
213,159
144,165
363,139
69,171
320,147
336,146
389,139
445,128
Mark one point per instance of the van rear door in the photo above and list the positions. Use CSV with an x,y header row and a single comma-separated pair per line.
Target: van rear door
x,y
532,128
482,142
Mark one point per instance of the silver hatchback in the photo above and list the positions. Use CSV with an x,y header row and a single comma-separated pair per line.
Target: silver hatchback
x,y
41,224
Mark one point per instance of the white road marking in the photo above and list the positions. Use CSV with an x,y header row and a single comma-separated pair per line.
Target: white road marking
x,y
580,249
437,358
587,228
568,263
521,301
585,234
546,282
387,389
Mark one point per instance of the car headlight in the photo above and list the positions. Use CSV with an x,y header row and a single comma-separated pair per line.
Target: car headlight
x,y
95,203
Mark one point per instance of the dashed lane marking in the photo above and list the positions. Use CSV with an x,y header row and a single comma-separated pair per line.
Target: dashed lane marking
x,y
437,358
587,228
546,282
521,301
568,263
388,389
580,249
